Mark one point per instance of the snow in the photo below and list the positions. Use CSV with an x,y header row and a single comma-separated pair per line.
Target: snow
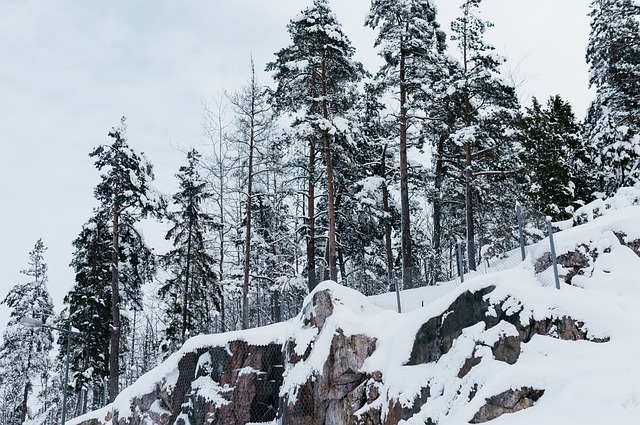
x,y
585,382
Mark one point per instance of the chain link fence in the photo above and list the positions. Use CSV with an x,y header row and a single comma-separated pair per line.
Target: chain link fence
x,y
532,238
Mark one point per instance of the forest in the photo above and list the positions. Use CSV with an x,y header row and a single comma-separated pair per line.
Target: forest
x,y
369,177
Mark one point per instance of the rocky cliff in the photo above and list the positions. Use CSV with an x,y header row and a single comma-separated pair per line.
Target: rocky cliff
x,y
503,347
323,379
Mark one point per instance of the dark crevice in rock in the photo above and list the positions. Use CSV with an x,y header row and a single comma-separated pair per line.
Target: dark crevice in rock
x,y
473,392
408,412
436,336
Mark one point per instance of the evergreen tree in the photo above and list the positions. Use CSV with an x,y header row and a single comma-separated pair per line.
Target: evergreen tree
x,y
613,121
485,131
24,354
192,292
125,192
368,219
412,46
446,193
554,159
316,78
89,307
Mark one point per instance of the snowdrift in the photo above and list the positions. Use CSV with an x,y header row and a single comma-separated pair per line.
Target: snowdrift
x,y
505,347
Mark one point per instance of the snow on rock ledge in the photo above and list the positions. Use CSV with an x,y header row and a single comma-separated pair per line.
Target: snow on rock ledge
x,y
500,348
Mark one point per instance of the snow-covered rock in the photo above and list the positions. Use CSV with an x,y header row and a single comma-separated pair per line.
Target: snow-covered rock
x,y
504,347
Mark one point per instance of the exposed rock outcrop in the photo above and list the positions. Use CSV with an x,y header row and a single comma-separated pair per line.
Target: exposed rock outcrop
x,y
510,401
321,378
245,380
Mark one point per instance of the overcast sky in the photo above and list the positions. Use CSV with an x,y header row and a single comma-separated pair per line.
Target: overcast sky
x,y
70,69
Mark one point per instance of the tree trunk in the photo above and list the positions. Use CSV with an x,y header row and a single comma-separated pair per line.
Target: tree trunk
x,y
387,217
407,267
247,239
114,352
342,265
185,298
331,241
437,211
27,385
275,295
471,246
311,238
311,211
221,201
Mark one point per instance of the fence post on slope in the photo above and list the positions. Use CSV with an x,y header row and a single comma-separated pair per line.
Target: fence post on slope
x,y
520,229
460,263
553,252
397,293
105,398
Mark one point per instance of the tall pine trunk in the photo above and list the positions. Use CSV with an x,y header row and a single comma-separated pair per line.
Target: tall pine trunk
x,y
387,217
407,266
437,210
185,299
471,245
331,241
27,385
311,211
114,351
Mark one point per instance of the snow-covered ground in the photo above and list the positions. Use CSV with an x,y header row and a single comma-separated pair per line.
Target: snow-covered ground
x,y
594,381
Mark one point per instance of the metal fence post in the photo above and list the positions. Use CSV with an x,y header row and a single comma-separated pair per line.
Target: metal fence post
x,y
520,229
105,399
397,294
553,252
460,263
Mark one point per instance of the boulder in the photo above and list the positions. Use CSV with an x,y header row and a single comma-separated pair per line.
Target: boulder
x,y
509,401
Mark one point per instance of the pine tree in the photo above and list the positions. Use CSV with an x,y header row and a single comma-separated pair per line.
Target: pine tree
x,y
24,354
613,121
412,46
316,78
368,217
89,307
125,192
489,111
554,159
445,111
191,292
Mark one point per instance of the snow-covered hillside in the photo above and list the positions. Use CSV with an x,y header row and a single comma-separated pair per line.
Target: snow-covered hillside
x,y
505,347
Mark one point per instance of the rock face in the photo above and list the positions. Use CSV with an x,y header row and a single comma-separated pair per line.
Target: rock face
x,y
579,261
238,383
340,390
510,401
245,380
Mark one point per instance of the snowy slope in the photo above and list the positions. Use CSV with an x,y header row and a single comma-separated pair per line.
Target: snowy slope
x,y
588,374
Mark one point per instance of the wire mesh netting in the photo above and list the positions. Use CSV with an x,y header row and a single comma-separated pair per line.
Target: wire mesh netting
x,y
526,240
237,383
